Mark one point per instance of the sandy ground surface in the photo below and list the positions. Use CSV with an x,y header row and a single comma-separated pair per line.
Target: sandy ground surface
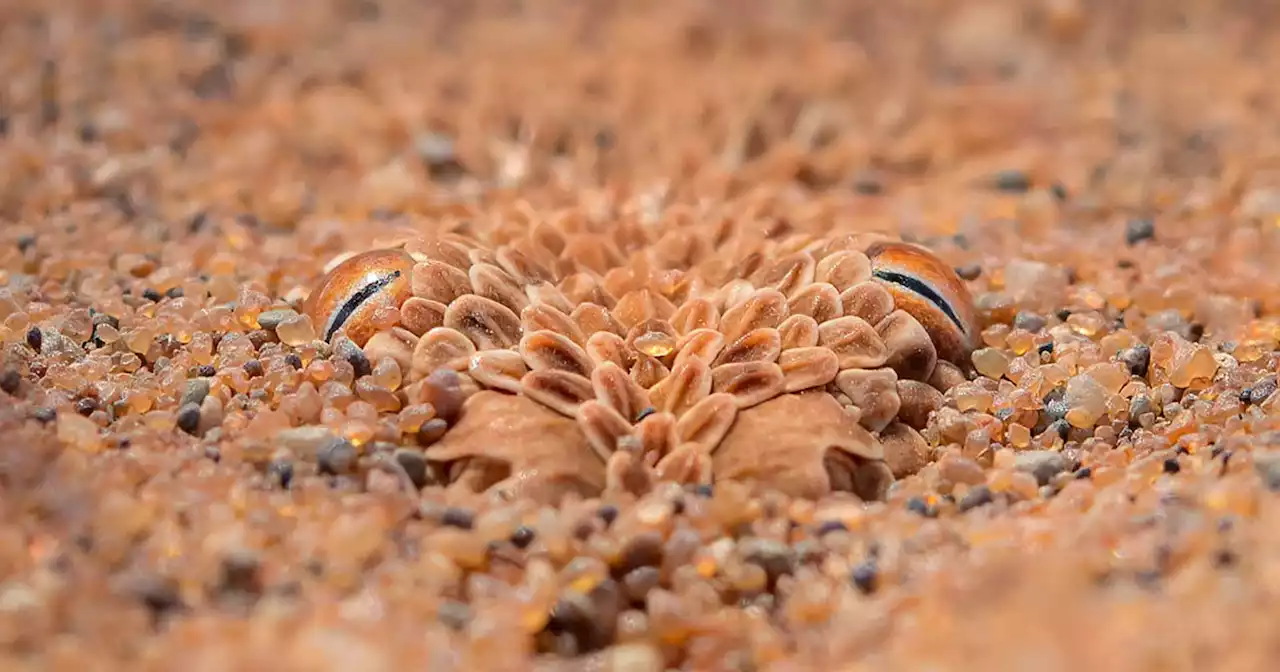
x,y
190,480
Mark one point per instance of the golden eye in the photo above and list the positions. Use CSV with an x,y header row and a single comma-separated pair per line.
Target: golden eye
x,y
929,290
349,297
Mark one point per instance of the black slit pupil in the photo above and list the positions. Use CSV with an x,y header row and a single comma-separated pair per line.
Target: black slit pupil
x,y
923,289
365,293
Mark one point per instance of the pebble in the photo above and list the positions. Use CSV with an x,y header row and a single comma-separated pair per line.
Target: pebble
x,y
775,558
35,338
304,441
1138,230
281,469
919,506
523,536
1042,464
188,418
1137,359
642,550
634,658
1011,181
866,577
10,381
211,416
458,517
974,498
241,572
414,464
271,319
197,389
1029,321
345,348
1033,284
336,456
1261,391
969,272
959,470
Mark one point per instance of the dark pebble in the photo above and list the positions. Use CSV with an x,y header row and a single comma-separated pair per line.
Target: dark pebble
x,y
1224,558
280,471
86,406
175,293
151,295
189,417
458,517
253,367
866,577
87,132
1057,409
1139,405
1137,359
642,550
774,557
10,381
1261,390
443,390
1012,181
103,318
1046,348
1042,464
1062,427
26,242
414,464
348,350
522,537
35,338
590,619
969,272
207,371
608,513
974,498
918,506
292,359
431,431
637,584
270,319
583,530
867,183
454,615
1171,466
261,337
1084,473
1030,321
241,571
196,390
829,526
1138,230
159,594
1059,191
336,457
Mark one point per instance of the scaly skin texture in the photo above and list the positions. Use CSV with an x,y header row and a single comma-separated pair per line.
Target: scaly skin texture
x,y
784,368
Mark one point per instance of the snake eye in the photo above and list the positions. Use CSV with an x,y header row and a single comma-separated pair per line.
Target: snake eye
x,y
349,297
929,290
